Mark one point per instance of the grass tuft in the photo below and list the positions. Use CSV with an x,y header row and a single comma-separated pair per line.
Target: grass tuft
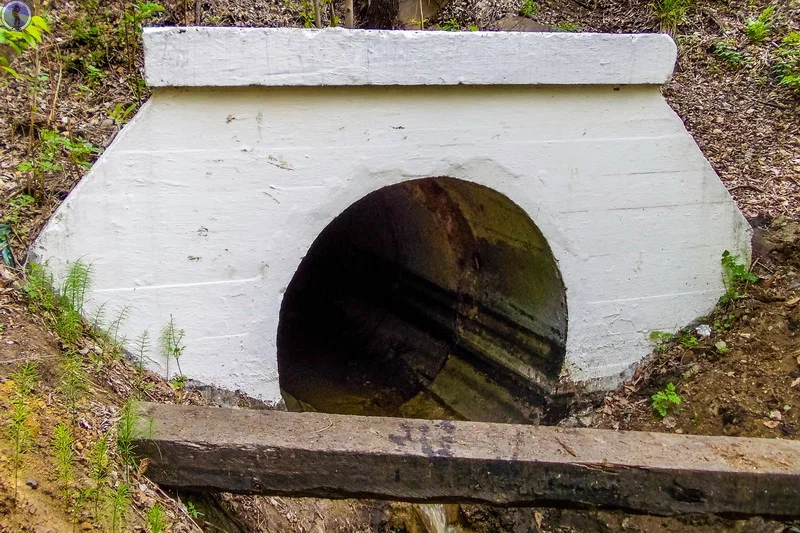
x,y
64,446
670,13
156,519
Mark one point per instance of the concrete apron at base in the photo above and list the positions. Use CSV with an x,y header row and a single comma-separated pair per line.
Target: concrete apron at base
x,y
207,203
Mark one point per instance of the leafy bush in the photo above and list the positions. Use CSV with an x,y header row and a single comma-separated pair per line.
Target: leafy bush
x,y
758,28
19,41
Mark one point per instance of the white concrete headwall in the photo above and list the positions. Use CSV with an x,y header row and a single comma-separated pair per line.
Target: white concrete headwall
x,y
205,204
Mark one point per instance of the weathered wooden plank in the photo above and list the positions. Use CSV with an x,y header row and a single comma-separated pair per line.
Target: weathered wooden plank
x,y
333,456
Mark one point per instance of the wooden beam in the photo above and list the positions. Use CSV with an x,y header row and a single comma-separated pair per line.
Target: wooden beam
x,y
334,456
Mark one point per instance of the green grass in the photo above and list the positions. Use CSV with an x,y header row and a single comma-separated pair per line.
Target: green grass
x,y
38,287
126,432
156,519
664,400
567,26
449,25
171,344
670,13
64,451
99,463
19,432
528,8
72,383
120,506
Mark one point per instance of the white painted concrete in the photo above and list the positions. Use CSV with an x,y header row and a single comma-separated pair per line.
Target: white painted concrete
x,y
216,57
205,204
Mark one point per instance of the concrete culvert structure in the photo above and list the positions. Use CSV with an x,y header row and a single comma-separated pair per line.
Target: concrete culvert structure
x,y
468,224
431,298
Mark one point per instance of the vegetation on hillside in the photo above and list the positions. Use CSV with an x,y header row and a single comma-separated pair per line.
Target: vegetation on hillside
x,y
73,78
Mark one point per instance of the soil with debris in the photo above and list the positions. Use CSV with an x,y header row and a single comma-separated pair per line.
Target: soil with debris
x,y
743,379
85,82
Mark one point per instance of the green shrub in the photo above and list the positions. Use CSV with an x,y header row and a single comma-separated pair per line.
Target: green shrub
x,y
664,400
758,28
787,67
729,54
734,275
16,42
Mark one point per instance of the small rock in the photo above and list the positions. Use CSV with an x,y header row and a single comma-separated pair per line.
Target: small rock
x,y
669,422
586,420
86,526
721,346
32,483
704,330
775,415
795,383
569,422
771,424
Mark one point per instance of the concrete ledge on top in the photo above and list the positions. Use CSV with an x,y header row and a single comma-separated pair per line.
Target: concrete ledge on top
x,y
236,57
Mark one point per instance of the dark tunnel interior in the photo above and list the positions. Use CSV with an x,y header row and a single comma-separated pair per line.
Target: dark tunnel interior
x,y
434,298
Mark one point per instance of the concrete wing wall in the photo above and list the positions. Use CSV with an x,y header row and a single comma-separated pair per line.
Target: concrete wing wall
x,y
206,203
